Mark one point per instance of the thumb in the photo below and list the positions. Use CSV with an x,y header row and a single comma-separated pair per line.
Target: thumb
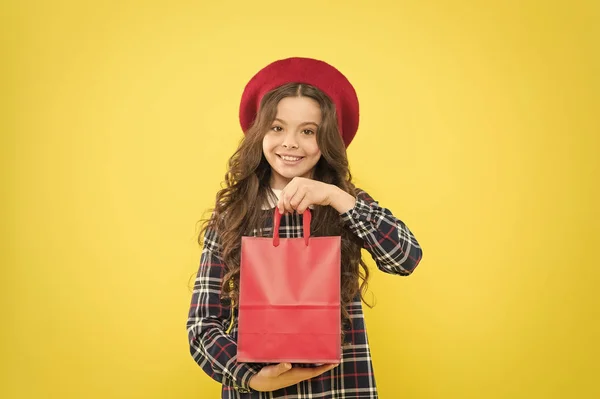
x,y
276,370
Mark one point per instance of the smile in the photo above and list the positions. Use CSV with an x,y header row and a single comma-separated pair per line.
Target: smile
x,y
288,158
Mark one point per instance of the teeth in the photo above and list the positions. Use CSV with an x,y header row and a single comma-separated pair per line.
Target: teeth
x,y
290,158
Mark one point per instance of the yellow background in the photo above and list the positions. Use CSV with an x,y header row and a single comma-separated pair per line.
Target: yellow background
x,y
479,129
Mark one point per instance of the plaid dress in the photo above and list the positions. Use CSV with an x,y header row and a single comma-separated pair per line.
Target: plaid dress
x,y
212,336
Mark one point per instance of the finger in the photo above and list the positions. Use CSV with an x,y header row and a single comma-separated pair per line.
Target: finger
x,y
306,373
281,203
304,204
332,366
275,370
297,199
286,196
297,374
287,193
282,368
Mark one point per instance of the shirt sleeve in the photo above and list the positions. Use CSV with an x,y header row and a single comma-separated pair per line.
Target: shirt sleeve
x,y
210,346
389,241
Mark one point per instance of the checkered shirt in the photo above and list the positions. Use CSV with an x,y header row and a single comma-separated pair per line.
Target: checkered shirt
x,y
394,250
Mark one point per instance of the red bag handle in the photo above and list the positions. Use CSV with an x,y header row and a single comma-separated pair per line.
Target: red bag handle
x,y
306,218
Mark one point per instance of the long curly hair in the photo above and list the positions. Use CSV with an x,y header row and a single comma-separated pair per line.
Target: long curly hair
x,y
238,213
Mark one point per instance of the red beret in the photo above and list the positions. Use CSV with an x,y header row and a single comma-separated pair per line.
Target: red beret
x,y
309,71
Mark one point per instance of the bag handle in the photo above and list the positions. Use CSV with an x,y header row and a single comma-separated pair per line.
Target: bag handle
x,y
306,218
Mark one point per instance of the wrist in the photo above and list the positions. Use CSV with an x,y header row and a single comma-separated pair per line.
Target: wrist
x,y
254,382
341,201
242,382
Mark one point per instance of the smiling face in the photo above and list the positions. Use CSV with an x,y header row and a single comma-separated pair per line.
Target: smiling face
x,y
290,145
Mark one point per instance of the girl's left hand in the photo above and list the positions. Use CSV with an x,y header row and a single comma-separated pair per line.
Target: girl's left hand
x,y
301,192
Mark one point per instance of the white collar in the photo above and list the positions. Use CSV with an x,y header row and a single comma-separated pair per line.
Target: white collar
x,y
271,203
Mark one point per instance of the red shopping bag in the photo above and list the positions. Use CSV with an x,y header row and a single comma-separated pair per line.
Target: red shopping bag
x,y
289,308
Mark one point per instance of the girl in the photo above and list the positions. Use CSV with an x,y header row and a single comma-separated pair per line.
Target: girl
x,y
298,116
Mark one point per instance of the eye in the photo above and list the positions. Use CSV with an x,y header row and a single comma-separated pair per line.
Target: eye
x,y
277,128
308,131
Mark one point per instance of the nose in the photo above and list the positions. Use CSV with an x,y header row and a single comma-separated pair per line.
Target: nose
x,y
289,141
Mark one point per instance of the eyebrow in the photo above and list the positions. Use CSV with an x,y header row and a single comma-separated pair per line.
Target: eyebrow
x,y
302,124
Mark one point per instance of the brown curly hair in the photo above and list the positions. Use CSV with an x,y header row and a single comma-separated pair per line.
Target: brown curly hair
x,y
246,184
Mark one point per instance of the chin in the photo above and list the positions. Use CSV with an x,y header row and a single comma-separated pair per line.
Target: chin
x,y
292,175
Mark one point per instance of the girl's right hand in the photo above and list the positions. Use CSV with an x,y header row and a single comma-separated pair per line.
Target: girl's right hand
x,y
272,378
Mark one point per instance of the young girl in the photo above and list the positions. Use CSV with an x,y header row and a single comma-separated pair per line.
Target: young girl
x,y
298,116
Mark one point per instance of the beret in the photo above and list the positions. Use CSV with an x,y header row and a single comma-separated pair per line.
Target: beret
x,y
309,71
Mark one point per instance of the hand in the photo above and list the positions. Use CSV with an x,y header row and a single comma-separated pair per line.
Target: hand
x,y
301,192
272,378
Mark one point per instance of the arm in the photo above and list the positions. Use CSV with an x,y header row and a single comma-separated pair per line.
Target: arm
x,y
210,347
389,241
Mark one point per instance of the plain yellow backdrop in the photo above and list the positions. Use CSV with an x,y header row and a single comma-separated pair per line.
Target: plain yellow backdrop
x,y
479,129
